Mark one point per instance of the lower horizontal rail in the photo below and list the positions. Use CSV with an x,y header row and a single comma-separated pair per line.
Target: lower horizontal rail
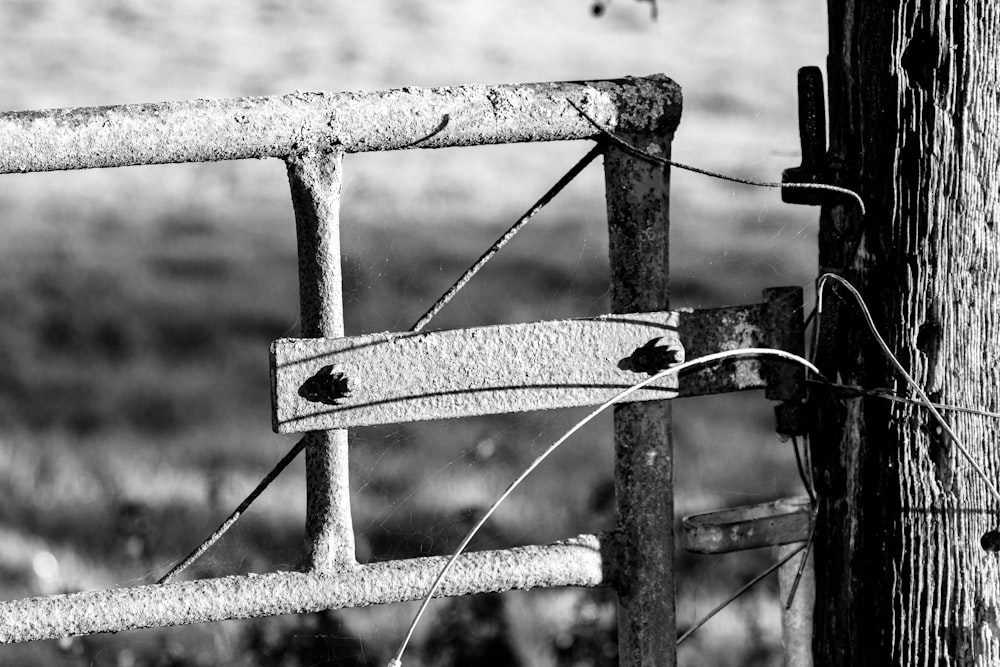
x,y
582,561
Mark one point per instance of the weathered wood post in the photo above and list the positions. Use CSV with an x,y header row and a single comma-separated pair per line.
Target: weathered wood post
x,y
907,572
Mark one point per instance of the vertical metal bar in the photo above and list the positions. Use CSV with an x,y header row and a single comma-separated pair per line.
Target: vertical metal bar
x,y
796,620
638,225
315,180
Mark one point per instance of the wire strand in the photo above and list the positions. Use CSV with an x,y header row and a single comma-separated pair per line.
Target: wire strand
x,y
710,358
889,395
638,152
902,371
803,475
237,513
725,603
807,458
507,236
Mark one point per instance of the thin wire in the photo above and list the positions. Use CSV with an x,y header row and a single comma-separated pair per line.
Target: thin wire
x,y
507,236
902,371
807,454
237,513
806,480
638,152
710,358
808,466
802,563
753,582
889,395
809,318
814,349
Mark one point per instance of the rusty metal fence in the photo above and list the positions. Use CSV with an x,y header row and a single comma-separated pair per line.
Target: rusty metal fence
x,y
324,383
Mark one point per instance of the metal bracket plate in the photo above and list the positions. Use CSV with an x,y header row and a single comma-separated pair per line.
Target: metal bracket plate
x,y
390,378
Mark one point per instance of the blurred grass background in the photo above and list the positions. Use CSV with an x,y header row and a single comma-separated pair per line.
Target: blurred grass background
x,y
138,305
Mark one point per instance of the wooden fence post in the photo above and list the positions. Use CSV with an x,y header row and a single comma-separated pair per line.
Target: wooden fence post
x,y
906,574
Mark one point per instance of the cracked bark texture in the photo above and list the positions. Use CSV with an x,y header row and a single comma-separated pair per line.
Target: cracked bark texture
x,y
903,575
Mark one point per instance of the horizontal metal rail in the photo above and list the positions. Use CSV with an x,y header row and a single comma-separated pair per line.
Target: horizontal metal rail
x,y
785,521
280,126
582,561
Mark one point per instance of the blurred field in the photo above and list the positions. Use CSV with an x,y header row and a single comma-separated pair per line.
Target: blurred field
x,y
139,304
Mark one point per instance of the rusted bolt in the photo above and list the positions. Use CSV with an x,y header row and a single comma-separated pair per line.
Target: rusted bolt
x,y
326,386
654,356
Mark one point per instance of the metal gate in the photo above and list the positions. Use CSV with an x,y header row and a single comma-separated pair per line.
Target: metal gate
x,y
323,383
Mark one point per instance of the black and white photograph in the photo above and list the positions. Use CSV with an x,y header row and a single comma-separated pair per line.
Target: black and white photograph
x,y
551,333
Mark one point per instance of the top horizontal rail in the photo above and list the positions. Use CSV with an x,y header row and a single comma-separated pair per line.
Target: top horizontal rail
x,y
279,126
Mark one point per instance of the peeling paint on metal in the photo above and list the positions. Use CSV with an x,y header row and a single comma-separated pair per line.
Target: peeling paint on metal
x,y
581,561
315,180
397,378
638,233
257,127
